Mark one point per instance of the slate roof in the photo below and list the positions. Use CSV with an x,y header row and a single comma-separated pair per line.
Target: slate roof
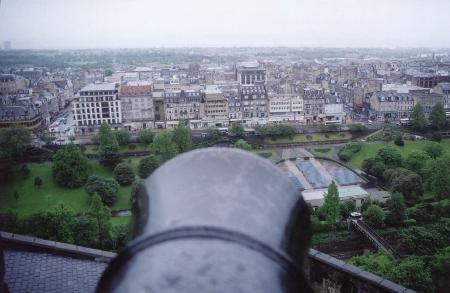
x,y
44,272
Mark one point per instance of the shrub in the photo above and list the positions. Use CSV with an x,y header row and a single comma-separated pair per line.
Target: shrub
x,y
147,165
123,174
146,136
24,170
70,167
399,141
358,128
106,188
347,152
436,136
374,216
308,137
37,181
131,146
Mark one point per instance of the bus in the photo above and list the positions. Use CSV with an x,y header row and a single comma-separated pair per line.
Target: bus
x,y
405,122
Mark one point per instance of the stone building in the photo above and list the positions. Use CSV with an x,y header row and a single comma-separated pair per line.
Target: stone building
x,y
390,106
137,106
285,107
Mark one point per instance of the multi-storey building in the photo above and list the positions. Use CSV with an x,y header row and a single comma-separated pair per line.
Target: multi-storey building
x,y
96,104
252,92
314,104
182,104
444,89
26,115
137,106
214,109
11,84
285,107
334,109
428,101
390,106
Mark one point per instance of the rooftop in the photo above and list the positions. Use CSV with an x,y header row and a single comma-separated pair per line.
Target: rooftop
x,y
344,192
93,87
134,90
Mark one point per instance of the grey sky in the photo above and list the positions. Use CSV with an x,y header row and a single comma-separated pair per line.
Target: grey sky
x,y
155,23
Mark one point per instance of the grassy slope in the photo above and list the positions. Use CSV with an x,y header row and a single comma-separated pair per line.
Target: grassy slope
x,y
315,137
32,200
370,150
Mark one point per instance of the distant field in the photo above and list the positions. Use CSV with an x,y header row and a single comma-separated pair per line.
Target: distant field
x,y
313,137
370,150
32,200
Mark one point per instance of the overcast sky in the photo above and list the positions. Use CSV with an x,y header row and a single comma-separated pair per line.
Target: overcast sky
x,y
66,24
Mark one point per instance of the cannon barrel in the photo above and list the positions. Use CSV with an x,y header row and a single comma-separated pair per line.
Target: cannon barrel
x,y
215,220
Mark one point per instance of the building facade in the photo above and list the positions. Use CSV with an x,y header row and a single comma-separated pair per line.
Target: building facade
x,y
137,106
96,104
285,107
390,106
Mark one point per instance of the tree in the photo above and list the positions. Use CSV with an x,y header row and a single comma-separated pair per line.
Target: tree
x,y
346,207
330,207
123,174
433,149
16,195
182,137
358,128
440,269
55,225
14,141
418,120
147,165
412,273
109,148
106,188
420,240
37,181
374,216
163,146
122,136
438,117
146,136
416,160
390,156
102,216
237,129
70,167
85,231
380,263
47,139
397,209
436,136
405,181
214,133
399,140
242,144
437,173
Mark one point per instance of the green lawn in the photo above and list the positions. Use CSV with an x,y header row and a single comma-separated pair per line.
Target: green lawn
x,y
313,137
370,150
117,221
32,200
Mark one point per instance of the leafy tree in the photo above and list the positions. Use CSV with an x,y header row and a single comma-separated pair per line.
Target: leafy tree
x,y
37,181
436,136
182,137
55,224
122,136
164,146
14,141
416,160
242,144
397,209
421,240
374,216
399,141
146,136
440,269
102,216
135,187
108,72
433,149
123,174
438,117
358,128
346,207
16,195
47,139
237,129
70,167
330,207
147,165
405,181
106,188
121,236
390,156
412,273
214,133
381,263
109,147
437,173
85,231
418,120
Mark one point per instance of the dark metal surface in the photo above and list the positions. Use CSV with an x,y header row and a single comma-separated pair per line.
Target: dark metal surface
x,y
215,220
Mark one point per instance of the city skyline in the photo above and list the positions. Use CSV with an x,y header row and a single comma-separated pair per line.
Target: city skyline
x,y
49,24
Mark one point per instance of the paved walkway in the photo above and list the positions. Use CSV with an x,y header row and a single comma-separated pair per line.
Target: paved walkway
x,y
294,170
322,170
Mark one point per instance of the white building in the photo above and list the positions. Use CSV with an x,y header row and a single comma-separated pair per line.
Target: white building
x,y
334,110
285,107
316,197
96,104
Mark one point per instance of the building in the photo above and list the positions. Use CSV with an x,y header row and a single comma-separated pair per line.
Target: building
x,y
251,79
12,84
234,107
390,106
444,89
213,110
334,109
96,104
26,115
428,101
137,106
316,197
182,104
285,107
314,105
